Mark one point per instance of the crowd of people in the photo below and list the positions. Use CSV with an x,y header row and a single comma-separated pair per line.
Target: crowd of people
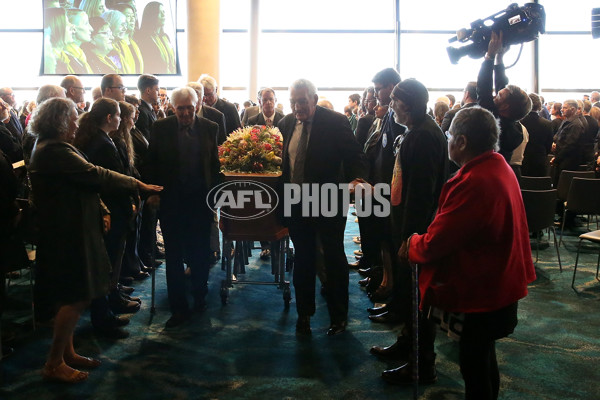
x,y
102,37
102,177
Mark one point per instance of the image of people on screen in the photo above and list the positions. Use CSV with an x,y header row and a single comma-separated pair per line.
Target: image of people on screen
x,y
108,36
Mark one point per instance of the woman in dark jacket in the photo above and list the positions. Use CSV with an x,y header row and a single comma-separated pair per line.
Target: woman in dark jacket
x,y
70,248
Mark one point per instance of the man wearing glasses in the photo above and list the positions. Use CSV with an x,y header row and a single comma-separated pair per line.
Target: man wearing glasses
x,y
12,123
74,90
112,87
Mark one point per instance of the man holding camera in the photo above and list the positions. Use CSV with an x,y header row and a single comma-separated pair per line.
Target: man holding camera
x,y
510,104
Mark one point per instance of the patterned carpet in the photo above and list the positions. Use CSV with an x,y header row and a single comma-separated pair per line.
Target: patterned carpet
x,y
248,349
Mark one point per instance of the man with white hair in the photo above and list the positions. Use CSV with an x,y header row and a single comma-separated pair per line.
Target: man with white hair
x,y
183,156
12,123
211,98
209,112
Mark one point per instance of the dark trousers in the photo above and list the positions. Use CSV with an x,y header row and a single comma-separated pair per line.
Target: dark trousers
x,y
147,241
186,231
477,353
132,264
479,369
304,232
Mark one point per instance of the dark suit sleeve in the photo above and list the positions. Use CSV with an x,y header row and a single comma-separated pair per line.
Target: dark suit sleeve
x,y
150,162
484,85
500,78
10,146
222,133
448,120
355,164
144,122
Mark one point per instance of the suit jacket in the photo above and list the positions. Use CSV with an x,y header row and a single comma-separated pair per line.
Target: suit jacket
x,y
10,145
362,129
232,118
332,155
163,162
569,150
217,117
145,119
249,112
589,138
538,146
259,119
14,126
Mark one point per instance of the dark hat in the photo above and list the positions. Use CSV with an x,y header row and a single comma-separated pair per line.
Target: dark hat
x,y
412,93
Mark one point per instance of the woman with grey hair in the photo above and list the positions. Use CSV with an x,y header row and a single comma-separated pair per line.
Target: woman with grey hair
x,y
475,258
71,255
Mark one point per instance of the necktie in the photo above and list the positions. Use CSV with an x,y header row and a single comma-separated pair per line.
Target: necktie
x,y
301,155
269,122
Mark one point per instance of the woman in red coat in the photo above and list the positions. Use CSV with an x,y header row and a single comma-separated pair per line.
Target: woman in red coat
x,y
475,257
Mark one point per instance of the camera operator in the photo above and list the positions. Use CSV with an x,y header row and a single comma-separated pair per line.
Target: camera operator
x,y
510,104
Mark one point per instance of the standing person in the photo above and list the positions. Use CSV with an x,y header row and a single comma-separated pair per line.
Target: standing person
x,y
70,248
212,99
148,87
92,138
268,116
510,103
540,140
318,141
420,171
475,258
11,121
74,90
183,158
368,116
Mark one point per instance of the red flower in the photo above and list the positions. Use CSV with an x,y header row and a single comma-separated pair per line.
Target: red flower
x,y
268,147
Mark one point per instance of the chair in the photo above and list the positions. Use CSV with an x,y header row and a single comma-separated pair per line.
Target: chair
x,y
536,183
583,198
564,181
593,237
539,209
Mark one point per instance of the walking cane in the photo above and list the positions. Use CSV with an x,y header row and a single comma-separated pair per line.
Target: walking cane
x,y
415,330
153,258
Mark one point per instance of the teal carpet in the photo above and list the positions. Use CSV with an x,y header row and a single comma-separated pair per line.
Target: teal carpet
x,y
248,349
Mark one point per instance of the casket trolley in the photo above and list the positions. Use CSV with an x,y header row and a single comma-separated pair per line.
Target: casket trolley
x,y
240,229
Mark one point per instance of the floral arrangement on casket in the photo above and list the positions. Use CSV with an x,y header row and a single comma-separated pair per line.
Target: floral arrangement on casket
x,y
252,150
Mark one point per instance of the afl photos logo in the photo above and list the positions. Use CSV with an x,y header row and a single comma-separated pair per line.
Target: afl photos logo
x,y
243,199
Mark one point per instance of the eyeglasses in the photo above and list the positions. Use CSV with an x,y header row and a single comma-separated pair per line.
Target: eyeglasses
x,y
121,88
79,87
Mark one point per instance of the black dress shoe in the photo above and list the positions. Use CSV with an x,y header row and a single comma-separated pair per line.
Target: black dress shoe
x,y
381,294
140,276
377,310
120,305
126,280
403,374
355,265
125,289
400,350
364,282
177,319
371,272
336,328
303,325
387,317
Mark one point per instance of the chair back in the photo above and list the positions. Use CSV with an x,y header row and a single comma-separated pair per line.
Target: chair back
x,y
564,181
584,196
536,183
540,207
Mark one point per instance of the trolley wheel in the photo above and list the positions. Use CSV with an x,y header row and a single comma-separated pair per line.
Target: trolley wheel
x,y
224,293
287,295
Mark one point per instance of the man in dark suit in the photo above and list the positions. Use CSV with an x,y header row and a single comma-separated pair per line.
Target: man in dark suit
x,y
211,98
13,124
469,100
269,115
148,87
183,157
320,148
540,140
208,112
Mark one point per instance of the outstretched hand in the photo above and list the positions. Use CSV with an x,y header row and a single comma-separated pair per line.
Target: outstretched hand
x,y
144,187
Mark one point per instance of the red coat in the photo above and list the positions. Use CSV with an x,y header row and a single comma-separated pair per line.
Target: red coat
x,y
475,256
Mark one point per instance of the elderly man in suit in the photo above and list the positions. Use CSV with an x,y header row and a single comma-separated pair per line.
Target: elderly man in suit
x,y
208,112
320,148
269,115
183,156
211,98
